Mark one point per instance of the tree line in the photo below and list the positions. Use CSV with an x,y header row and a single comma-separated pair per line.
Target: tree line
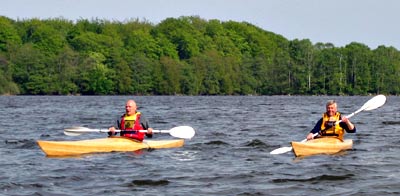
x,y
183,56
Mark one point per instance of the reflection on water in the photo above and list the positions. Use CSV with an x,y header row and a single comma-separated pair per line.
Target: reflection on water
x,y
187,155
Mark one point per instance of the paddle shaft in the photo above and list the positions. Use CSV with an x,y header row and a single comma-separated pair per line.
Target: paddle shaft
x,y
116,131
371,104
143,131
364,107
185,132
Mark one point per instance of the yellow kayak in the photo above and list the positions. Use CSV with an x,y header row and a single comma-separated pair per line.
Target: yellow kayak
x,y
111,144
323,145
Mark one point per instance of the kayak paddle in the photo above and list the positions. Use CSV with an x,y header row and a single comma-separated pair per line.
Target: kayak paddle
x,y
184,132
372,104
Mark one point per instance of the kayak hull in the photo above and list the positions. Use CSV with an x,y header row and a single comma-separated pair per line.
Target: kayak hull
x,y
323,145
111,144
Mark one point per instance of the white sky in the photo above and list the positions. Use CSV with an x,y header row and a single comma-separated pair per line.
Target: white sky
x,y
371,22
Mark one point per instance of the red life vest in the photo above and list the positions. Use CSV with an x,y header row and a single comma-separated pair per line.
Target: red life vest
x,y
130,126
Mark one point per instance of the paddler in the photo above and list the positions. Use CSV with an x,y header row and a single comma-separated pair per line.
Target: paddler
x,y
131,122
327,125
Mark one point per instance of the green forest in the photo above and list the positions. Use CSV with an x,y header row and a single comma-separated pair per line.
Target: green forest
x,y
183,56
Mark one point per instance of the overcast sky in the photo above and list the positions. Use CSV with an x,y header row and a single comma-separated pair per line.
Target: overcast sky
x,y
371,22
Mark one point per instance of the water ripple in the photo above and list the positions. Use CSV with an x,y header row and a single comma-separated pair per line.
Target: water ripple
x,y
228,156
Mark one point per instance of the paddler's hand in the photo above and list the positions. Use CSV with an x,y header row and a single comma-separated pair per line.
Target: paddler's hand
x,y
111,131
150,131
310,136
347,121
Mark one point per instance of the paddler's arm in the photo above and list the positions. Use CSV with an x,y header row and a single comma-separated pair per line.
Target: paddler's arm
x,y
316,129
112,128
146,126
347,125
149,133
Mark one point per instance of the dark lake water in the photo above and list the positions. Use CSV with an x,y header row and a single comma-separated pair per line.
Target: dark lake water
x,y
228,156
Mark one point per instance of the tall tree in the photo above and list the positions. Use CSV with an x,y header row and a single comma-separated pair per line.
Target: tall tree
x,y
8,34
359,75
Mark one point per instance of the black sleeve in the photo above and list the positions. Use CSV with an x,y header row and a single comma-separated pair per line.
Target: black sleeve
x,y
317,127
345,127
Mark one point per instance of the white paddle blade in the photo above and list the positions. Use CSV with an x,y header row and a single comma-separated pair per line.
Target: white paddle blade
x,y
71,133
75,131
281,150
375,102
184,132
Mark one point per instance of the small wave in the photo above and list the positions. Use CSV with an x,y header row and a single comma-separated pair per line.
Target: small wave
x,y
13,187
21,144
150,182
217,143
391,122
250,193
316,179
208,145
256,143
219,134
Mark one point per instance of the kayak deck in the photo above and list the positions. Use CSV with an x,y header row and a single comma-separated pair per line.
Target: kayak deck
x,y
111,144
323,145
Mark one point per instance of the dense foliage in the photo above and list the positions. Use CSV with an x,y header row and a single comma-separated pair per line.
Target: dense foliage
x,y
186,55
